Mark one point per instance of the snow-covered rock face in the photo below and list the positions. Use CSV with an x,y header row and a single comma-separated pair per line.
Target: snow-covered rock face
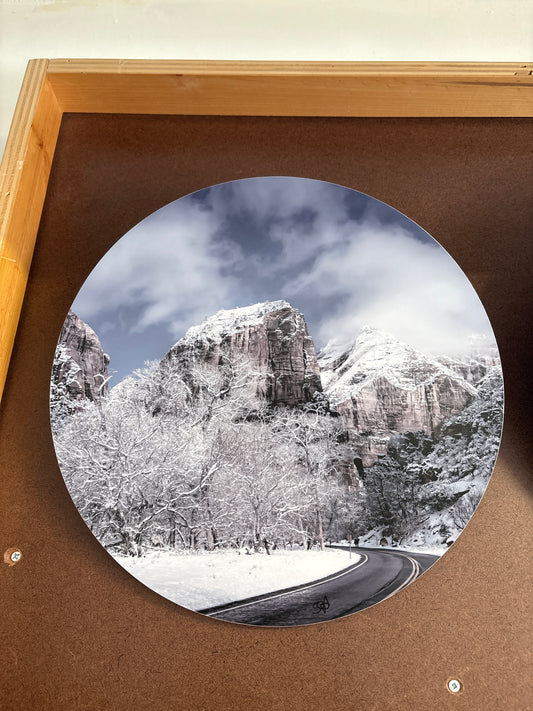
x,y
271,336
447,474
81,346
381,385
216,327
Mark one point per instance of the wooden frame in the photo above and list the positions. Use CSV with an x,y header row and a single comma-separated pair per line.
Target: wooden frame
x,y
448,145
53,87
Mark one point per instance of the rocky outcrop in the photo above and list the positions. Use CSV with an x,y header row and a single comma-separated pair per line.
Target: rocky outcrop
x,y
472,369
381,406
80,363
479,358
271,337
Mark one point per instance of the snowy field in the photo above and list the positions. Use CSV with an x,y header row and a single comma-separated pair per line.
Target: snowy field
x,y
200,580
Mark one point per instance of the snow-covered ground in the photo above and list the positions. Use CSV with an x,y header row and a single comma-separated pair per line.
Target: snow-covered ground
x,y
200,580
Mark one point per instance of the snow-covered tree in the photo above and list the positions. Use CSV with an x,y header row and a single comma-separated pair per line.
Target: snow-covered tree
x,y
312,437
190,456
441,477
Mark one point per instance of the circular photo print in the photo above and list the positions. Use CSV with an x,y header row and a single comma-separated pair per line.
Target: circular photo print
x,y
276,401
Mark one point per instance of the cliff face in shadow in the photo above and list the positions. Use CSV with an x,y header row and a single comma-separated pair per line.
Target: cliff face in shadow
x,y
80,364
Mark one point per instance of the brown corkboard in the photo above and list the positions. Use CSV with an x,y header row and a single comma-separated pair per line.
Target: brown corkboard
x,y
77,631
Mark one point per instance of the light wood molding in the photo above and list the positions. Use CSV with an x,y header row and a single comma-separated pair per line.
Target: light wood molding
x,y
271,68
293,89
24,174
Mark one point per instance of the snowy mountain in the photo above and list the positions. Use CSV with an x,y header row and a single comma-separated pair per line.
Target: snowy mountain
x,y
427,429
479,356
375,353
272,338
225,321
382,386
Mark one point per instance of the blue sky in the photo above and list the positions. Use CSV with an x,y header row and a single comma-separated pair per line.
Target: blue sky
x,y
341,257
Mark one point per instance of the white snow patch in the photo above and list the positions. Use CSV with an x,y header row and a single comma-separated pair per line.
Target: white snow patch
x,y
426,537
230,320
206,579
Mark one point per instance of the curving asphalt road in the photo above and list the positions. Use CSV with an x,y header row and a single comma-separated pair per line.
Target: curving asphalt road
x,y
376,576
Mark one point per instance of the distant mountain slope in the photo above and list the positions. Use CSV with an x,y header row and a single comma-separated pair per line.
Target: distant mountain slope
x,y
382,386
424,490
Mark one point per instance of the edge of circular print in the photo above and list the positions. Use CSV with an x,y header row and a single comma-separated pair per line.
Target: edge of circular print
x,y
300,410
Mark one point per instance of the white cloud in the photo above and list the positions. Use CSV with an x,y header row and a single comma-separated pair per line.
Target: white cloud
x,y
183,264
167,269
375,274
386,278
276,198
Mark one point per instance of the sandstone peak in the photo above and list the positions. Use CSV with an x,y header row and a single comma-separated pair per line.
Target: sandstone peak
x,y
374,354
274,339
380,385
82,347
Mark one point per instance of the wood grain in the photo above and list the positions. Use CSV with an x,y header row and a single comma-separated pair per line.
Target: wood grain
x,y
23,178
271,68
293,89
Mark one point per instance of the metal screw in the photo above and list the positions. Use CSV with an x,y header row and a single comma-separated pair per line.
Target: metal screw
x,y
455,686
15,556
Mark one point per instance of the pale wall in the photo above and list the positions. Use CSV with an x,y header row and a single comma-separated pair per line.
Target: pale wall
x,y
455,30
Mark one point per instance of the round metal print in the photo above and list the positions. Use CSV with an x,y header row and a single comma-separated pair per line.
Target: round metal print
x,y
276,401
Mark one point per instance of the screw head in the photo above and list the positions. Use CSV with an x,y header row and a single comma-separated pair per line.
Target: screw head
x,y
454,685
15,556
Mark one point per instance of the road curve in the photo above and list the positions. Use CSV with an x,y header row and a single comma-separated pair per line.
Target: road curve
x,y
376,576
